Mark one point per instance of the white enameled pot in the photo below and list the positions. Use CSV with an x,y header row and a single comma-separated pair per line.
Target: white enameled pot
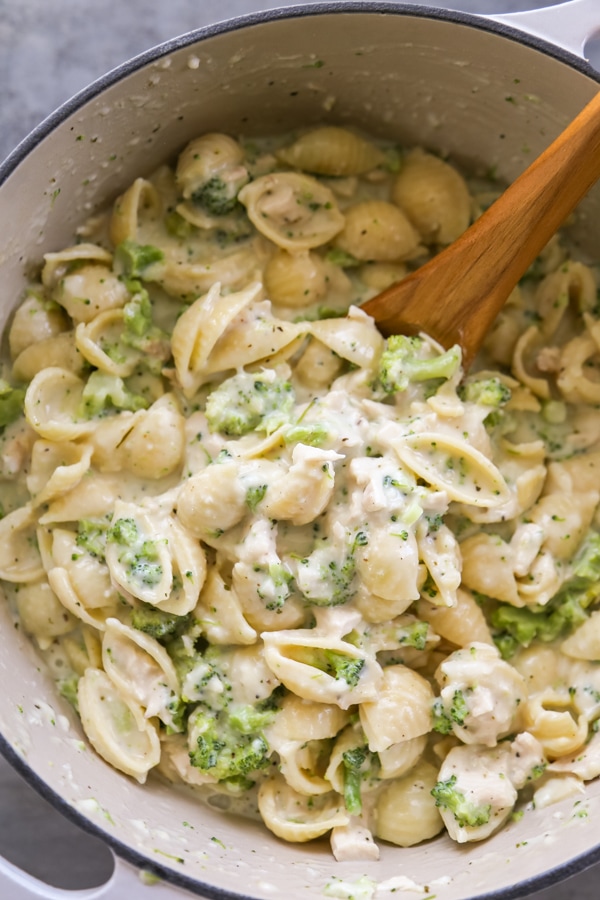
x,y
489,93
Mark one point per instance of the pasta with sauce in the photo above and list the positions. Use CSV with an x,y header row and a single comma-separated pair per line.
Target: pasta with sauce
x,y
280,557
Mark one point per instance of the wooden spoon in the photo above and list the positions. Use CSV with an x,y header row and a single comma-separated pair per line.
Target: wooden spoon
x,y
456,296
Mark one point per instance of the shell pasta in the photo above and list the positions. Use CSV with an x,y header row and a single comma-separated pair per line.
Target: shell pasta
x,y
280,557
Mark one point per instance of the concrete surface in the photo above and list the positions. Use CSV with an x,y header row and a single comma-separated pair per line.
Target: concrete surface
x,y
49,49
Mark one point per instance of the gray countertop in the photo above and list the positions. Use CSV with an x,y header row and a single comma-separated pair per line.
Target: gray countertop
x,y
49,51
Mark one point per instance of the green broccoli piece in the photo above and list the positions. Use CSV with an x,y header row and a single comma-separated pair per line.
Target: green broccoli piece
x,y
254,495
326,582
67,688
177,226
249,402
11,403
566,610
105,393
132,260
139,555
222,749
140,331
91,536
415,635
444,719
485,391
124,532
276,587
354,761
248,719
341,258
158,624
217,196
405,360
466,813
342,667
312,433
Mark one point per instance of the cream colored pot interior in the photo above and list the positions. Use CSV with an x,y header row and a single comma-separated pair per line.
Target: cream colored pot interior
x,y
483,97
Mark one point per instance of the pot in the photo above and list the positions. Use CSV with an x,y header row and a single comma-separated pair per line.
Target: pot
x,y
485,92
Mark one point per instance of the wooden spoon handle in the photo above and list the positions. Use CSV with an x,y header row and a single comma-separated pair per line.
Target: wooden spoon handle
x,y
456,296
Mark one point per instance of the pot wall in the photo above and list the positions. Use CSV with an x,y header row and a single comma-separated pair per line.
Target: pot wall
x,y
485,99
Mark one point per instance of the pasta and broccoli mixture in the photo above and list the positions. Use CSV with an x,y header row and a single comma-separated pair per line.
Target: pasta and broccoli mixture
x,y
273,556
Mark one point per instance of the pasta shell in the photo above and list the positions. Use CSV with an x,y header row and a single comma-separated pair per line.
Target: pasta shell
x,y
331,151
401,711
56,468
34,322
52,405
405,812
452,465
199,328
94,617
88,575
294,211
205,157
295,280
141,199
20,559
141,669
56,265
99,342
354,338
90,290
379,231
42,614
301,660
115,726
59,350
296,817
434,196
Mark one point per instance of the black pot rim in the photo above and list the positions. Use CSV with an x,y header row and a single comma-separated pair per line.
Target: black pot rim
x,y
54,120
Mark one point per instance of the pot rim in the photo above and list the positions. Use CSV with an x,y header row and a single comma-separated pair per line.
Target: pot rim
x,y
481,22
323,7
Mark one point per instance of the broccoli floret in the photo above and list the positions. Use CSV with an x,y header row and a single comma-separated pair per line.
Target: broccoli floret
x,y
275,589
485,391
222,749
340,258
467,814
566,610
254,495
217,196
249,719
354,761
158,624
139,555
124,531
140,331
11,403
137,313
444,719
67,688
345,668
324,579
132,260
406,360
313,433
177,226
105,393
414,635
91,536
249,402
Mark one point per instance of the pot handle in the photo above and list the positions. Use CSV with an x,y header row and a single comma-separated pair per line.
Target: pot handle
x,y
568,25
126,883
